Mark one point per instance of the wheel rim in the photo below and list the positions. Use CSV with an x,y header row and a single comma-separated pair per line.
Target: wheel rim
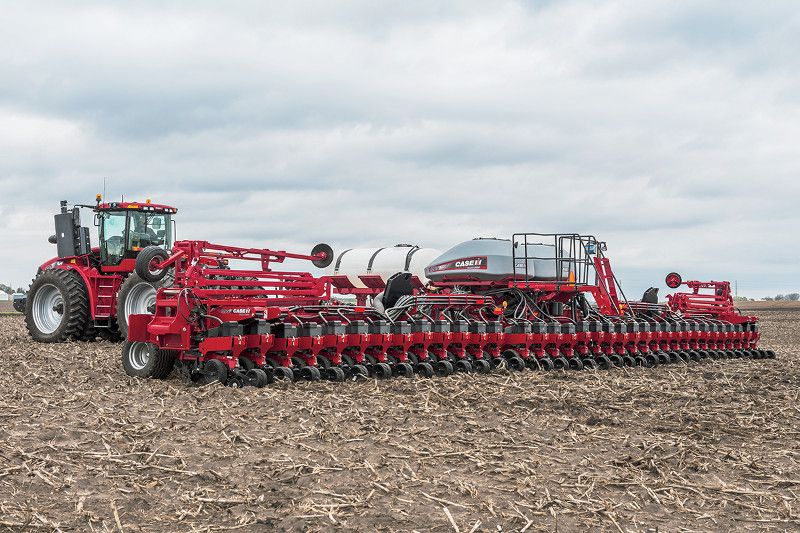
x,y
45,316
139,355
152,266
139,298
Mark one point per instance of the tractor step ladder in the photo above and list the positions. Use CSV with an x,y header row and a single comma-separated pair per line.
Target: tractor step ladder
x,y
106,298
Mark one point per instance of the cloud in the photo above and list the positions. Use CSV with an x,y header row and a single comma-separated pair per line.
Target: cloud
x,y
666,129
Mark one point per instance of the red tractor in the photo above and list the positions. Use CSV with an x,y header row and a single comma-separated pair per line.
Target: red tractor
x,y
85,291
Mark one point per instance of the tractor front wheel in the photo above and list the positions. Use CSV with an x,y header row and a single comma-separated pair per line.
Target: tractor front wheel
x,y
57,306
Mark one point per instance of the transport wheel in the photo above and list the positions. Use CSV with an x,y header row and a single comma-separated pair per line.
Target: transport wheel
x,y
589,363
146,265
403,370
463,366
57,306
515,364
310,373
381,371
424,369
650,360
336,374
246,363
146,360
482,366
215,370
616,360
673,280
532,363
137,297
603,362
573,363
257,377
324,261
546,364
283,372
443,368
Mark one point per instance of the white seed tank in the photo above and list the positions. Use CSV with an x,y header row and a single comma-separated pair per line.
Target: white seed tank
x,y
383,262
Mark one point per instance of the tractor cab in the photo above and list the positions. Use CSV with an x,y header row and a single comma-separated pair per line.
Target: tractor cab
x,y
127,228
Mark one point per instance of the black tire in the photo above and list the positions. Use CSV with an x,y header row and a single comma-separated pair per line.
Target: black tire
x,y
443,368
589,363
136,296
358,372
246,363
616,360
424,369
603,362
146,261
482,366
214,370
560,363
640,361
310,373
463,366
257,377
770,354
574,363
283,372
336,374
650,360
381,371
629,360
403,370
146,360
19,305
546,364
57,306
327,260
532,363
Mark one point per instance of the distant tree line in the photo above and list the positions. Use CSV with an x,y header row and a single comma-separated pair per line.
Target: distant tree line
x,y
8,290
793,296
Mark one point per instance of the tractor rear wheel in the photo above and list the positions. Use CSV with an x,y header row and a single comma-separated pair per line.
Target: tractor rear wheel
x,y
57,307
146,360
137,297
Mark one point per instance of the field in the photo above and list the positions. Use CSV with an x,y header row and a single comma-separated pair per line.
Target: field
x,y
707,447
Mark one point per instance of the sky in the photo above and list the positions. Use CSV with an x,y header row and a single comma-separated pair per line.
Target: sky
x,y
668,129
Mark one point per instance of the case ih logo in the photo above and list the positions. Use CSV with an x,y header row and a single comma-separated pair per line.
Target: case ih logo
x,y
479,263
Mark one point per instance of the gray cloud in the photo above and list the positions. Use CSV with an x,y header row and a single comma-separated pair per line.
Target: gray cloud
x,y
667,129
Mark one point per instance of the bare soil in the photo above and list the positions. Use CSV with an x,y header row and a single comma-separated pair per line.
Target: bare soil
x,y
708,447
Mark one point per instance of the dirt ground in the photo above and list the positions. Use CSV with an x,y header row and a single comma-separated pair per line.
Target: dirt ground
x,y
707,447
